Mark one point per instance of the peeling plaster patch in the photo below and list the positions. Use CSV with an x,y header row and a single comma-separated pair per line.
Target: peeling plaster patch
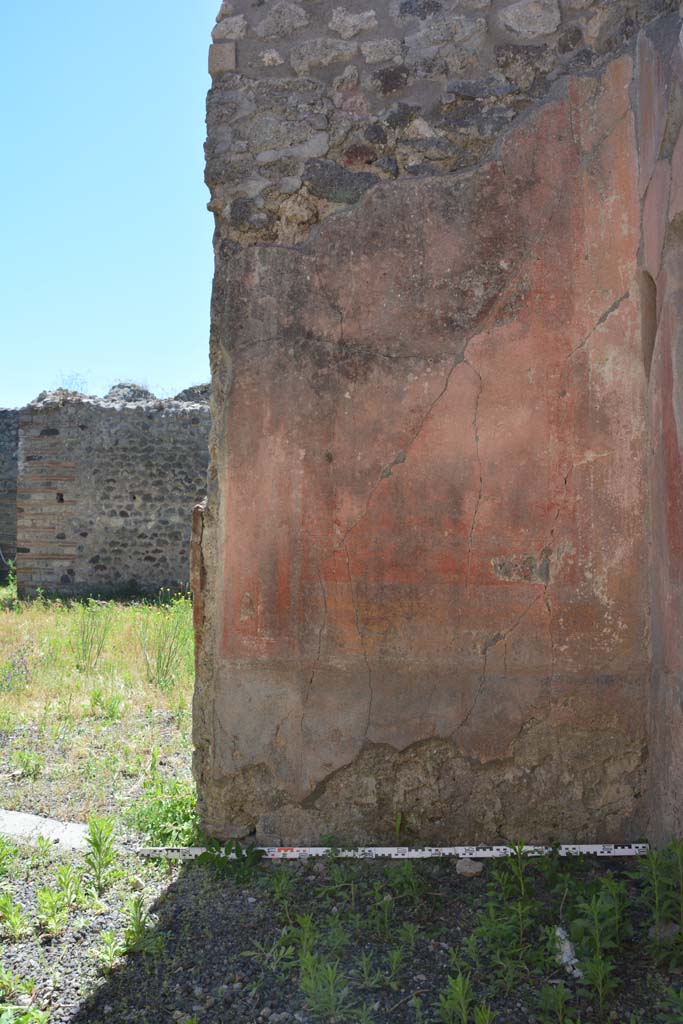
x,y
524,568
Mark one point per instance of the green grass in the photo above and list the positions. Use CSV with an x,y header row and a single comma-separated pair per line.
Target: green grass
x,y
88,692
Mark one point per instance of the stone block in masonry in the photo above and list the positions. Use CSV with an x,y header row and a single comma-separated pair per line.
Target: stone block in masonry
x,y
222,58
424,575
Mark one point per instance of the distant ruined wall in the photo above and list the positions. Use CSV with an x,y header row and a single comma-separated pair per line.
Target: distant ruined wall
x,y
425,559
106,490
9,443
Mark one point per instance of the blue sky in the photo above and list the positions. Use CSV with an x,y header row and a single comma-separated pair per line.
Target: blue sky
x,y
105,247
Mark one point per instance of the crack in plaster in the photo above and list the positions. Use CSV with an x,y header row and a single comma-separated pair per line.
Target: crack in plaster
x,y
561,506
316,664
587,156
488,324
493,641
475,427
371,694
401,456
600,321
553,656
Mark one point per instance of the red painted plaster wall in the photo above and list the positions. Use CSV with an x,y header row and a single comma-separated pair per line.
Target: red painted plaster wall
x,y
661,115
430,554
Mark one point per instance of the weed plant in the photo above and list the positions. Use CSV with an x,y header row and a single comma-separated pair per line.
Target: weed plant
x,y
139,936
69,883
328,995
12,986
166,811
8,856
41,854
100,858
90,626
19,1015
232,861
553,1002
28,763
16,671
8,589
166,640
660,878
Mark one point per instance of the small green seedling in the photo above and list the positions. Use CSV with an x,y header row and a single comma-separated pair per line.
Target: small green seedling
x,y
455,1002
109,950
553,1001
52,911
15,923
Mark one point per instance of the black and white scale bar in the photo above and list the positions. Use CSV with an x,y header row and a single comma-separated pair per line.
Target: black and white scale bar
x,y
408,852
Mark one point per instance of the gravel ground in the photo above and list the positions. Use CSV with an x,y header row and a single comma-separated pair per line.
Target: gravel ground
x,y
89,766
213,962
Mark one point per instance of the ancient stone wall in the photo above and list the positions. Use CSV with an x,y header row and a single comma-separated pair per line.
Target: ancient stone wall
x,y
9,443
661,185
425,555
106,490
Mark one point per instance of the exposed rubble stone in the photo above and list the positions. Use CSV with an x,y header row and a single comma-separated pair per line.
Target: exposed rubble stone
x,y
469,868
530,19
316,77
348,25
282,20
230,28
200,393
320,53
328,180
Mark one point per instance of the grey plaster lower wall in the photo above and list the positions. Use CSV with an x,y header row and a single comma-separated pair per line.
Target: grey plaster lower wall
x,y
105,493
9,442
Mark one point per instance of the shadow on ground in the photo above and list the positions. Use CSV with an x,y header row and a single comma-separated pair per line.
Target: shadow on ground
x,y
194,970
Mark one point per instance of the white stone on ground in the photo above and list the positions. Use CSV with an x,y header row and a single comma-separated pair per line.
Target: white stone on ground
x,y
27,828
469,868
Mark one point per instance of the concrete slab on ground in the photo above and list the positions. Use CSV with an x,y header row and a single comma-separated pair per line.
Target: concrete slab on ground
x,y
27,828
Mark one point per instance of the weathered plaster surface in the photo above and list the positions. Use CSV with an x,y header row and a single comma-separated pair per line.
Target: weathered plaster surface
x,y
661,75
425,552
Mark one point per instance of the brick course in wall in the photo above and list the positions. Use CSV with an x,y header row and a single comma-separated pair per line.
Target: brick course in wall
x,y
106,489
9,443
